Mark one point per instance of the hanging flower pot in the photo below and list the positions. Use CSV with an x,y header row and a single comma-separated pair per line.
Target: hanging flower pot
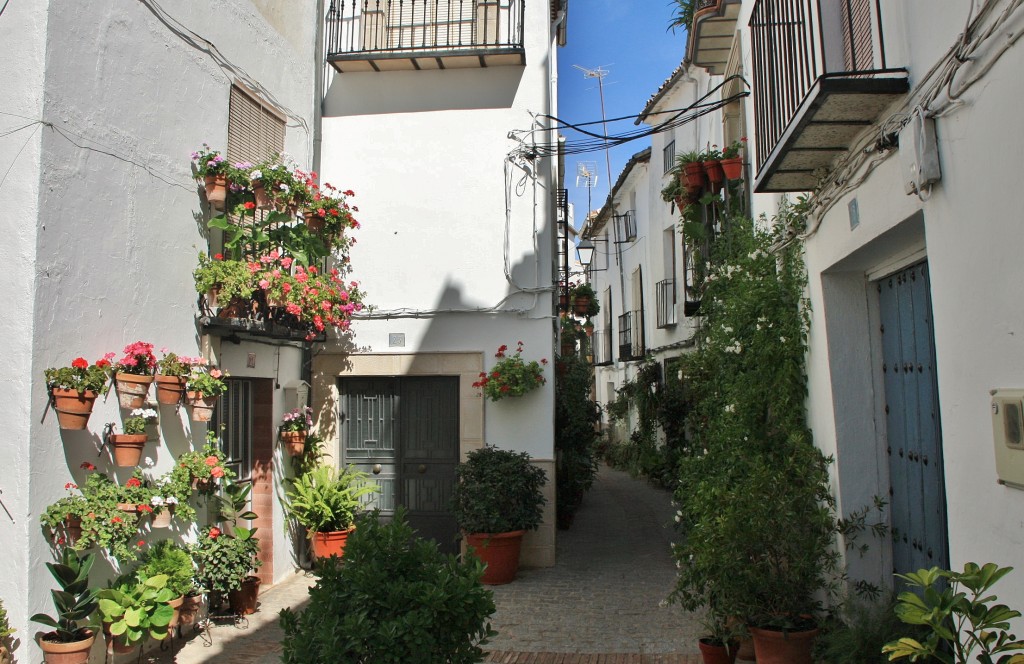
x,y
73,408
216,190
314,222
132,389
263,201
693,174
581,305
72,527
563,301
294,442
568,348
127,448
128,508
170,389
162,519
202,406
733,167
713,169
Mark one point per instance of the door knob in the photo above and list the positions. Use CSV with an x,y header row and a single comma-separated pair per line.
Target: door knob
x,y
377,468
422,468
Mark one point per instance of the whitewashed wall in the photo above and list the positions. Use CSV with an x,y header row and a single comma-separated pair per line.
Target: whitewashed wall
x,y
106,244
425,153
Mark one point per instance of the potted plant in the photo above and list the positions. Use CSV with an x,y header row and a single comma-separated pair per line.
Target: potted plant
x,y
212,167
511,376
172,374
719,644
226,563
5,636
134,609
294,427
71,638
497,498
732,162
73,390
371,608
691,171
325,501
956,610
64,517
673,192
711,161
205,386
226,284
202,469
584,300
128,445
106,524
133,374
173,561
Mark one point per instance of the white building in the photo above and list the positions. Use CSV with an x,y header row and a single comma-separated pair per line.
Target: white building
x,y
104,102
912,268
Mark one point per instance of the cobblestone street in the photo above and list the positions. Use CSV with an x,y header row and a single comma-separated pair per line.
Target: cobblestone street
x,y
603,600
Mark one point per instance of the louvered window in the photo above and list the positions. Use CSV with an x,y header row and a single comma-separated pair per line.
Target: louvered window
x,y
234,412
255,131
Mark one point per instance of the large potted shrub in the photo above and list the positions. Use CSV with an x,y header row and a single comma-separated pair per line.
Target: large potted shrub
x,y
71,638
226,564
394,600
133,609
497,498
326,501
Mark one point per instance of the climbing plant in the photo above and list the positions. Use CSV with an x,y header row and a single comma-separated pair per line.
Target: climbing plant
x,y
575,437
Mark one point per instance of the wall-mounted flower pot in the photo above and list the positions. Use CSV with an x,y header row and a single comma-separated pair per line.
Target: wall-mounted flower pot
x,y
243,601
216,190
127,448
72,527
713,169
332,543
733,167
581,304
132,389
162,519
170,389
693,175
315,223
259,192
202,406
73,409
294,442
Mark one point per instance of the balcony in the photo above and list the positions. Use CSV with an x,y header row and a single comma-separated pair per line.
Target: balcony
x,y
403,35
601,347
819,79
631,336
714,26
665,293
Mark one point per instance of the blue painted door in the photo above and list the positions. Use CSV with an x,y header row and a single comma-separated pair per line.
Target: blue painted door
x,y
914,436
405,433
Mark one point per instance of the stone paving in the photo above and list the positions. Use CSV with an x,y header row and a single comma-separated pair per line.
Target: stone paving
x,y
603,600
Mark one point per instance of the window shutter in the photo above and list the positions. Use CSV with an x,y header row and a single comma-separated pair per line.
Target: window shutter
x,y
255,132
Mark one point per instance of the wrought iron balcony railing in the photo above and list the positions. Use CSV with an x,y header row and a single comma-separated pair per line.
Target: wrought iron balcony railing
x,y
631,336
820,77
383,35
665,291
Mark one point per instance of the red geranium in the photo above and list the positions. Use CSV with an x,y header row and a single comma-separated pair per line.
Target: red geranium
x,y
80,363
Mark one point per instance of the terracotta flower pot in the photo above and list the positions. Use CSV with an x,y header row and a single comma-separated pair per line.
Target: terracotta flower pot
x,y
563,300
116,643
713,169
294,442
327,544
216,190
162,519
127,448
170,389
190,607
243,601
777,647
73,409
76,652
568,348
128,508
176,616
581,304
315,223
72,528
500,551
132,389
693,175
713,653
733,167
263,201
202,406
236,307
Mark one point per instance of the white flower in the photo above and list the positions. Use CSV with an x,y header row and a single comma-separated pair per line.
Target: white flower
x,y
171,500
782,339
256,175
285,188
731,408
157,501
147,413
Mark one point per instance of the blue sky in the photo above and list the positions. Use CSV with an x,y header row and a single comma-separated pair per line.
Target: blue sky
x,y
629,39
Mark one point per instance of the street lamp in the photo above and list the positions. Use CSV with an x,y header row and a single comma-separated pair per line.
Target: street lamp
x,y
585,252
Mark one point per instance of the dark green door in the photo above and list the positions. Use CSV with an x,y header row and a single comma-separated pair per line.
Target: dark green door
x,y
405,433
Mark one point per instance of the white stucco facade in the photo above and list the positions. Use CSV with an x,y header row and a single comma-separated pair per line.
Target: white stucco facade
x,y
104,222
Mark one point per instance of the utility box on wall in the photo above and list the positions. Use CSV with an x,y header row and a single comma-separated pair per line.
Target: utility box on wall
x,y
296,394
1008,434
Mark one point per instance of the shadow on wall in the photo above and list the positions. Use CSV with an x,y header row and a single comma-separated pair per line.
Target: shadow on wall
x,y
418,91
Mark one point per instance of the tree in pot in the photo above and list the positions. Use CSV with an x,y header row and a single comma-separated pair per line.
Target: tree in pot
x,y
133,609
497,498
326,501
71,640
394,600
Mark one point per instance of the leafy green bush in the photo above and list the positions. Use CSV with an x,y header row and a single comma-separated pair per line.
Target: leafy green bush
x,y
171,560
856,635
575,438
395,600
327,500
498,491
134,610
75,601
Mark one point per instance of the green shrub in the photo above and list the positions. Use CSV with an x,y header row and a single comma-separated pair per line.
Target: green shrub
x,y
857,634
167,558
575,438
395,600
498,491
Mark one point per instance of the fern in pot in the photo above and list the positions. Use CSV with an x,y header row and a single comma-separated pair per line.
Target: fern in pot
x,y
326,501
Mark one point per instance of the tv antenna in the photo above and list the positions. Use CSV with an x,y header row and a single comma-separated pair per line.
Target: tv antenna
x,y
586,174
599,73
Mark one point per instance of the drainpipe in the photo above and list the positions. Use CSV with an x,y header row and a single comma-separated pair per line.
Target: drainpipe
x,y
320,73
